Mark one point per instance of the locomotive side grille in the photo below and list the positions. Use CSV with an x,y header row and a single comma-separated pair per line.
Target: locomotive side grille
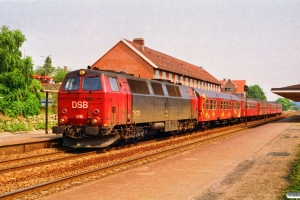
x,y
138,87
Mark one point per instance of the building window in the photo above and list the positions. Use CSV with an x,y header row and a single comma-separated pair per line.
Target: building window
x,y
156,73
176,78
181,80
170,76
191,83
164,75
187,81
195,83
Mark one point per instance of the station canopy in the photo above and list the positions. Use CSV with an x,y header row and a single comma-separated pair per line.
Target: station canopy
x,y
290,92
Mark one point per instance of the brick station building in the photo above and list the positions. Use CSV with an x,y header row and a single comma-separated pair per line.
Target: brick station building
x,y
133,57
235,87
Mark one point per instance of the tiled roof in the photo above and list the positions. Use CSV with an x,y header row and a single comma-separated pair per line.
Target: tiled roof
x,y
171,64
240,85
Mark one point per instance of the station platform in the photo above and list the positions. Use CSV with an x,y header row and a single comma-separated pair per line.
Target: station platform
x,y
7,138
251,165
26,141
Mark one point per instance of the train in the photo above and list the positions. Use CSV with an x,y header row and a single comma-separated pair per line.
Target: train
x,y
100,108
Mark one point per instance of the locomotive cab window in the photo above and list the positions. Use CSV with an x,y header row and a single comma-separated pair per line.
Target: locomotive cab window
x,y
71,83
91,83
113,84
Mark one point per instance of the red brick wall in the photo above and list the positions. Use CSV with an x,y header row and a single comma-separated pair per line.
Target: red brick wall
x,y
122,58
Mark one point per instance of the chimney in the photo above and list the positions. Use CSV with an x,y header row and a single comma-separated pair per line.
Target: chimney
x,y
139,41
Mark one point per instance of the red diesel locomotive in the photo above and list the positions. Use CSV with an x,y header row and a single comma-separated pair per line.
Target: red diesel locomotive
x,y
98,108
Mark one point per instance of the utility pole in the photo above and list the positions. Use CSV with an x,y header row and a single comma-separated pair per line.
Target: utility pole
x,y
246,88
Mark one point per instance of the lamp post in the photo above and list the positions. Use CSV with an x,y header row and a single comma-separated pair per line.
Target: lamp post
x,y
46,68
246,88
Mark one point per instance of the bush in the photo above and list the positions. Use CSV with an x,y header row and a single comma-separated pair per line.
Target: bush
x,y
31,106
11,109
26,124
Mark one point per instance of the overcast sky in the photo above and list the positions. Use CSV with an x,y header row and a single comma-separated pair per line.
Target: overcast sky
x,y
257,41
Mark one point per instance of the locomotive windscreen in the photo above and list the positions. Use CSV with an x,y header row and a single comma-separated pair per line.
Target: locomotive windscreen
x,y
88,83
71,83
91,83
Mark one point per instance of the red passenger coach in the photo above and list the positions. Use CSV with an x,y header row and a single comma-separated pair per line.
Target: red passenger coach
x,y
252,109
217,108
275,108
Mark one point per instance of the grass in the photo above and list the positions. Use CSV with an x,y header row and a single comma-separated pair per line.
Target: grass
x,y
294,177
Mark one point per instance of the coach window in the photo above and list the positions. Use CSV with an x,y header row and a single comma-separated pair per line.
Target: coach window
x,y
207,104
229,105
215,104
211,104
114,84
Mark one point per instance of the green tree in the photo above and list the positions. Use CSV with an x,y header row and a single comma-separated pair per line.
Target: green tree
x,y
295,106
286,103
256,92
60,74
46,69
15,76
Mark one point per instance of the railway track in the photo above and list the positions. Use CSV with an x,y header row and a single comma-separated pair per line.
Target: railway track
x,y
61,174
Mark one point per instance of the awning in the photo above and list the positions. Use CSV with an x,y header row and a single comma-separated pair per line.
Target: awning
x,y
290,92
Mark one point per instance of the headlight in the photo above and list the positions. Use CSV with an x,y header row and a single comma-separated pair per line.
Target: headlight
x,y
81,72
63,120
96,121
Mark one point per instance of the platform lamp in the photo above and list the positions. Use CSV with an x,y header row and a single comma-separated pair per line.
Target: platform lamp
x,y
246,88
